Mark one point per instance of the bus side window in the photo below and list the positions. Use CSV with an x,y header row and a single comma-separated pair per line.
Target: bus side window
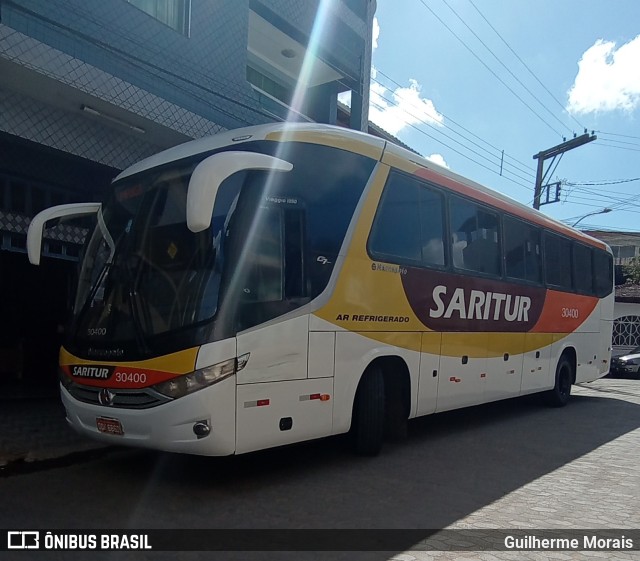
x,y
557,261
409,225
474,237
602,272
582,268
522,250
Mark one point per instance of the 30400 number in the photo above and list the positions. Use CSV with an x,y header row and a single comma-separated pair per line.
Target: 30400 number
x,y
572,313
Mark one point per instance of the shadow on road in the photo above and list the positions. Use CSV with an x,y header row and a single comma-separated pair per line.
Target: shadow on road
x,y
451,465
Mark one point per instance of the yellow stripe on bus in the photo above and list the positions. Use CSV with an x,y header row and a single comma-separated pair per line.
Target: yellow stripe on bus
x,y
181,362
330,138
473,345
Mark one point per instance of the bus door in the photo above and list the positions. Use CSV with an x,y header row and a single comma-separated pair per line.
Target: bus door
x,y
429,372
504,366
536,364
276,401
463,365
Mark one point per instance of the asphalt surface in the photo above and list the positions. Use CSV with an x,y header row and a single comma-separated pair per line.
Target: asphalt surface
x,y
513,464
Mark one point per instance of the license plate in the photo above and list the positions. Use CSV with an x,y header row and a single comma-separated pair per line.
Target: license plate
x,y
109,426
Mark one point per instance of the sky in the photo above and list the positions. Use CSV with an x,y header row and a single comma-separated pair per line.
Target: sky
x,y
462,80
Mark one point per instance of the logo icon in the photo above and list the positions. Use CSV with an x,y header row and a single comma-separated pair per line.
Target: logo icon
x,y
23,540
106,397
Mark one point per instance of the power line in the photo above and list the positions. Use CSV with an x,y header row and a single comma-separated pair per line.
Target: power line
x,y
436,129
489,69
525,64
603,201
600,206
586,227
620,141
611,182
602,141
617,134
608,192
528,169
451,147
506,67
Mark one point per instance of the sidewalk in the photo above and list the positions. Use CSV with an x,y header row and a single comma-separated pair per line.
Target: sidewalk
x,y
35,429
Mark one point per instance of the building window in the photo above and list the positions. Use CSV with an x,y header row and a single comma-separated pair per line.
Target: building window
x,y
268,85
174,13
358,7
623,251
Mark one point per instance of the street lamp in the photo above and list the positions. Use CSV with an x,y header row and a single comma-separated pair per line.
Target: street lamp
x,y
603,211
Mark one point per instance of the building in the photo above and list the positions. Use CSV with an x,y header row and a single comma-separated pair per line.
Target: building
x,y
626,310
89,87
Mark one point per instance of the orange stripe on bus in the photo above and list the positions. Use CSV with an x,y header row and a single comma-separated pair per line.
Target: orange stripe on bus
x,y
564,312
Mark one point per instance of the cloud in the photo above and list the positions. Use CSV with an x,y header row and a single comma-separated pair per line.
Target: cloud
x,y
394,110
402,107
375,32
608,78
438,159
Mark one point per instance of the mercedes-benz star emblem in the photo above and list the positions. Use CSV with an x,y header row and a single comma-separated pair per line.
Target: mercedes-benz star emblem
x,y
105,397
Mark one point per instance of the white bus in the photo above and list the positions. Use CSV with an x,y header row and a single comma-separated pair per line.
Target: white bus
x,y
284,282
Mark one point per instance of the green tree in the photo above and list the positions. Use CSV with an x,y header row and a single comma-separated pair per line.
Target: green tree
x,y
632,270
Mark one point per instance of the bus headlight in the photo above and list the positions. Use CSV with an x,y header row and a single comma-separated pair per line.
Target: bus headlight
x,y
189,383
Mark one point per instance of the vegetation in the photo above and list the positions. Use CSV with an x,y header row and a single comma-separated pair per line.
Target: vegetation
x,y
632,271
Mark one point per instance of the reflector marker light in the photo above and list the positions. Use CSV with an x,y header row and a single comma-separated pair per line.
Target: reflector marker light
x,y
314,396
257,403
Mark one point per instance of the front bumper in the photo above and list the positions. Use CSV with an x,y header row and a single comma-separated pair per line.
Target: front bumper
x,y
168,426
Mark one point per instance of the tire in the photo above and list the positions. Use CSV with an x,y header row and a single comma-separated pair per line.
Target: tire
x,y
368,414
561,392
395,412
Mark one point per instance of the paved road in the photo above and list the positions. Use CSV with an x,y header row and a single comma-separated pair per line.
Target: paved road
x,y
513,464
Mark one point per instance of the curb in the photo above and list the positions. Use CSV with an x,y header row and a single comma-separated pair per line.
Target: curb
x,y
22,466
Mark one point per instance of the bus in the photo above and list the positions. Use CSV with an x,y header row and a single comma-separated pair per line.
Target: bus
x,y
287,282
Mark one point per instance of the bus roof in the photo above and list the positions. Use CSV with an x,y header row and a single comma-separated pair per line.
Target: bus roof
x,y
368,145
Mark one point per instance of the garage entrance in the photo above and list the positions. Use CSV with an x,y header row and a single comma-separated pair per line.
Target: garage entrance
x,y
34,300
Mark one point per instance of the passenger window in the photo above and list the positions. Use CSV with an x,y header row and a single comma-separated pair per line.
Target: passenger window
x,y
603,272
557,261
582,268
522,249
409,225
431,211
474,237
396,231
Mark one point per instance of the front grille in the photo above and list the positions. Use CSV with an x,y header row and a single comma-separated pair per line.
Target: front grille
x,y
122,399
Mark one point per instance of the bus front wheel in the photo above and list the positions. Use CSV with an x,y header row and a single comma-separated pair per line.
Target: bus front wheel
x,y
368,413
561,392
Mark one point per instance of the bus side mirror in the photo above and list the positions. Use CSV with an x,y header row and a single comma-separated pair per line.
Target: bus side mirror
x,y
209,175
36,227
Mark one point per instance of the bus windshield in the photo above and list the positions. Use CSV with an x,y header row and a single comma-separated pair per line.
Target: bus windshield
x,y
144,272
270,248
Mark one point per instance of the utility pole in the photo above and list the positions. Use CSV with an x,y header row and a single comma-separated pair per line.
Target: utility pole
x,y
553,153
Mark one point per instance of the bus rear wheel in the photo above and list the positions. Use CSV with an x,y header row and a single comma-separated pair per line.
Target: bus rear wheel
x,y
561,392
368,414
